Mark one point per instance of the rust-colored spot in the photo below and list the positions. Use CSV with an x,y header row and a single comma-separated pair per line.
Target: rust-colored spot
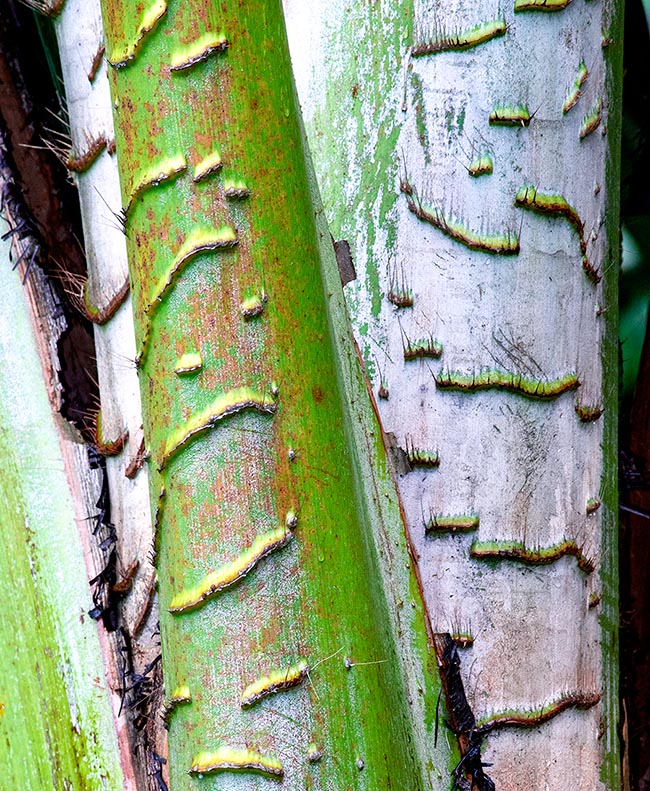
x,y
124,584
317,393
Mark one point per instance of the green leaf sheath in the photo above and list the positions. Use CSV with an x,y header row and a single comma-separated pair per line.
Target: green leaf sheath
x,y
260,544
56,729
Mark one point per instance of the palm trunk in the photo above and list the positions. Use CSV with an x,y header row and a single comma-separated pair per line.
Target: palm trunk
x,y
296,641
470,158
277,659
133,646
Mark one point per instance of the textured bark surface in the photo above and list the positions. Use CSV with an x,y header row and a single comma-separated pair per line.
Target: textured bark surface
x,y
484,310
265,565
103,297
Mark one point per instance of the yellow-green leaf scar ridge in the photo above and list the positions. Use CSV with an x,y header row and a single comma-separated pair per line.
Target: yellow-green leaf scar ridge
x,y
588,413
421,457
492,379
481,165
181,696
276,681
445,42
510,115
102,314
400,296
82,161
592,505
150,18
497,244
253,306
107,447
235,189
236,760
462,639
230,573
421,348
531,718
199,240
198,50
207,166
541,5
538,556
574,91
314,753
188,363
157,174
230,403
458,523
530,198
591,121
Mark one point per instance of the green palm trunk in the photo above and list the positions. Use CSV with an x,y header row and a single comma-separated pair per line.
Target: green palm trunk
x,y
267,570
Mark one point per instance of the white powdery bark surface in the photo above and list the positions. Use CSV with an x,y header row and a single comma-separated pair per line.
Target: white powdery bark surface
x,y
527,468
79,33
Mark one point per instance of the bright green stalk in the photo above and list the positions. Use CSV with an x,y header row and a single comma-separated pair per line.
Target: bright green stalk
x,y
55,720
259,530
389,540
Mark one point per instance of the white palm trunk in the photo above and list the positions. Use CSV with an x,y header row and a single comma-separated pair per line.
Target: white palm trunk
x,y
80,37
514,529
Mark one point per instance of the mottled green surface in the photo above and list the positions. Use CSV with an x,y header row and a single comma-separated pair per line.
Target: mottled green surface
x,y
359,98
388,541
318,597
611,766
55,721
